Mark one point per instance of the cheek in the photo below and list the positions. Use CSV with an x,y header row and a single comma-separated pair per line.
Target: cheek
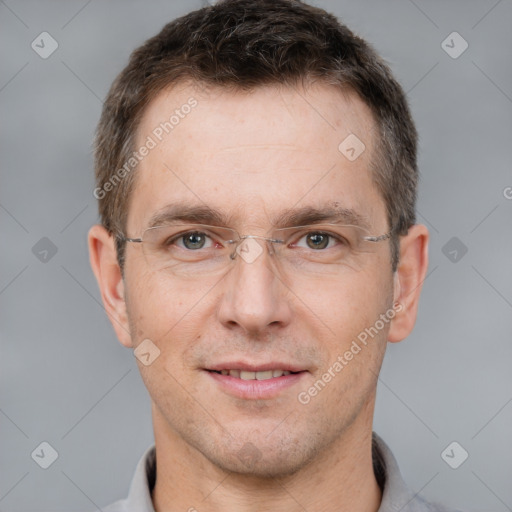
x,y
175,315
353,350
352,301
168,316
159,305
349,308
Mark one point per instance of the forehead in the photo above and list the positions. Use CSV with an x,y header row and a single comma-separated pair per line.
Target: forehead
x,y
252,154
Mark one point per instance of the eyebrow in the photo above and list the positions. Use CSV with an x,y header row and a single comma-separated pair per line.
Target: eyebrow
x,y
310,215
292,217
188,213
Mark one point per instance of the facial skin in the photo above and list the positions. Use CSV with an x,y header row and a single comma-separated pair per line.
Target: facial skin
x,y
252,156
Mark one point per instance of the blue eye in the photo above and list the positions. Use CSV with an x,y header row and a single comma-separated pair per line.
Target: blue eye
x,y
317,240
192,240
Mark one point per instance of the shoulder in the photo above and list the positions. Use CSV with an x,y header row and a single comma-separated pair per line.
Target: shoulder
x,y
396,495
420,504
118,506
139,496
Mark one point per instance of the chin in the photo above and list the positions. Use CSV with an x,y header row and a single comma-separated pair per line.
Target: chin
x,y
262,460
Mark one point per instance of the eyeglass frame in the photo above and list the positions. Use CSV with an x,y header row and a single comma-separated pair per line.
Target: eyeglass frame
x,y
241,238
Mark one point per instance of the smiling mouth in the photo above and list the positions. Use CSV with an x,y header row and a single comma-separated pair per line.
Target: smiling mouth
x,y
248,375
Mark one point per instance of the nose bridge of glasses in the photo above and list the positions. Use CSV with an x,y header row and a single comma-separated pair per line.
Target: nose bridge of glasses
x,y
242,239
260,237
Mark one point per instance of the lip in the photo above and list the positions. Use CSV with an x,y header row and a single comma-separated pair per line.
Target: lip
x,y
255,389
249,367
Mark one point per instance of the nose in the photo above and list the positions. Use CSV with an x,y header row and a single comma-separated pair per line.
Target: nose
x,y
255,298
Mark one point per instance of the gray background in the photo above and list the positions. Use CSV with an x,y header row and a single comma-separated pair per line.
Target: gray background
x,y
64,377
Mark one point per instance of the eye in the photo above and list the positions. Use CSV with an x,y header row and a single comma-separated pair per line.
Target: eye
x,y
193,240
318,240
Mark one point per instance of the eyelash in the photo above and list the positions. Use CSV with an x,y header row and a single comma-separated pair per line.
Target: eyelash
x,y
332,236
181,236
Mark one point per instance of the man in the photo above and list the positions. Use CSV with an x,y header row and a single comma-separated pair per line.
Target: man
x,y
256,176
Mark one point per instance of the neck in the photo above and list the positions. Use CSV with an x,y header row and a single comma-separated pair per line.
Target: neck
x,y
342,476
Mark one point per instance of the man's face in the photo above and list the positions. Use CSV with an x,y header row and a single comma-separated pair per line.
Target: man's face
x,y
252,156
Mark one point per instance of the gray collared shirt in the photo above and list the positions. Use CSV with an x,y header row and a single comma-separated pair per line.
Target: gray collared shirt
x,y
396,496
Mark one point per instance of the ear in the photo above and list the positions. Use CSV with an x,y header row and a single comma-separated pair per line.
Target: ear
x,y
103,258
409,277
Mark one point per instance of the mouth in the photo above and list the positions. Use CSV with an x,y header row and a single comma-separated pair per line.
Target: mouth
x,y
251,382
254,375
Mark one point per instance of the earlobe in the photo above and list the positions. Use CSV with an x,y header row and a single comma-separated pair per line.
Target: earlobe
x,y
409,278
103,259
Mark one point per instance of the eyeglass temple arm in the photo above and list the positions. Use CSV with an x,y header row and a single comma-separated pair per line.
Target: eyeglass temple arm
x,y
385,236
135,240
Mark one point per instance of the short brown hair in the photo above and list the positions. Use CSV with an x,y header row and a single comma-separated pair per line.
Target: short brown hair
x,y
244,44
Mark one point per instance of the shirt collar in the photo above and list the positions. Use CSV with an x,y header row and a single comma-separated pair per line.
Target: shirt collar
x,y
396,496
139,497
